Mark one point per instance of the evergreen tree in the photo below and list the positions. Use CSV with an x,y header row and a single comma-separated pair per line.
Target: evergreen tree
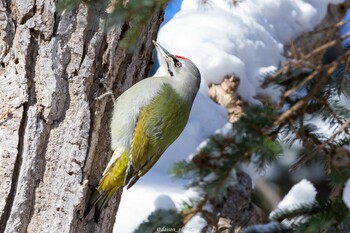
x,y
309,90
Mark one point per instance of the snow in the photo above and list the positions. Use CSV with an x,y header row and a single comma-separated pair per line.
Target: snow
x,y
246,40
221,39
301,193
194,225
164,202
346,194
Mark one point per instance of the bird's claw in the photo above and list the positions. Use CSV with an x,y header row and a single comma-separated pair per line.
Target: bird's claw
x,y
107,93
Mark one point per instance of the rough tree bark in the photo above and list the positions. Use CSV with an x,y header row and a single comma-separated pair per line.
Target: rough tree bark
x,y
54,136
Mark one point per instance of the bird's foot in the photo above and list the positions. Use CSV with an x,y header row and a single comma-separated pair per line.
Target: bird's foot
x,y
107,93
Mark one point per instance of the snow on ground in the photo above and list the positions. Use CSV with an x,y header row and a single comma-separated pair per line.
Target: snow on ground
x,y
221,39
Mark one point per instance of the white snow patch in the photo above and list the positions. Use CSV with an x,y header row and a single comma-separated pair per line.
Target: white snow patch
x,y
194,225
143,198
301,193
164,202
246,40
346,194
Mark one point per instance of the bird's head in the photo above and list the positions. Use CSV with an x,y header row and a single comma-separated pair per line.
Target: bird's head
x,y
178,66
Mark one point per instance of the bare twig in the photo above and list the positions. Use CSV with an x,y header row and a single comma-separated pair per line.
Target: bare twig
x,y
336,25
6,113
318,50
322,48
294,50
341,129
107,93
334,114
187,215
326,72
307,79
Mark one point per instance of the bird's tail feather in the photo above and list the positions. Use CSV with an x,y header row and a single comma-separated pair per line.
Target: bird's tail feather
x,y
99,200
100,204
112,180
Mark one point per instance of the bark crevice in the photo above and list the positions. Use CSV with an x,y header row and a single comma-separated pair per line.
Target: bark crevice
x,y
15,175
56,139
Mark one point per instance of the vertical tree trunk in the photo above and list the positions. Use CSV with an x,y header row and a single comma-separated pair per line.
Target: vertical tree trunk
x,y
54,141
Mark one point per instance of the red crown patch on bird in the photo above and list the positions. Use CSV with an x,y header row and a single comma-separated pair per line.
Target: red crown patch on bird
x,y
181,57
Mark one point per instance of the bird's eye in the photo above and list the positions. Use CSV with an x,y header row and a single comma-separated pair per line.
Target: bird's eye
x,y
178,64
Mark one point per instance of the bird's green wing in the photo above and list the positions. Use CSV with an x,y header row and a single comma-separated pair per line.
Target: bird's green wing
x,y
158,125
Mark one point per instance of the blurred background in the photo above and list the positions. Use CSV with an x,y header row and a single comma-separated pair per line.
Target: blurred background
x,y
272,113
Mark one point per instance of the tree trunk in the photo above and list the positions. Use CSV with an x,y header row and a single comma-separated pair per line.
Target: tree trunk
x,y
54,134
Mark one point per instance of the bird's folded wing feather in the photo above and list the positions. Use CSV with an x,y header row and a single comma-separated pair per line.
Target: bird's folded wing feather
x,y
158,125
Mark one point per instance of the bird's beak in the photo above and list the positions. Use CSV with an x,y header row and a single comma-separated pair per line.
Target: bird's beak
x,y
165,57
163,52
